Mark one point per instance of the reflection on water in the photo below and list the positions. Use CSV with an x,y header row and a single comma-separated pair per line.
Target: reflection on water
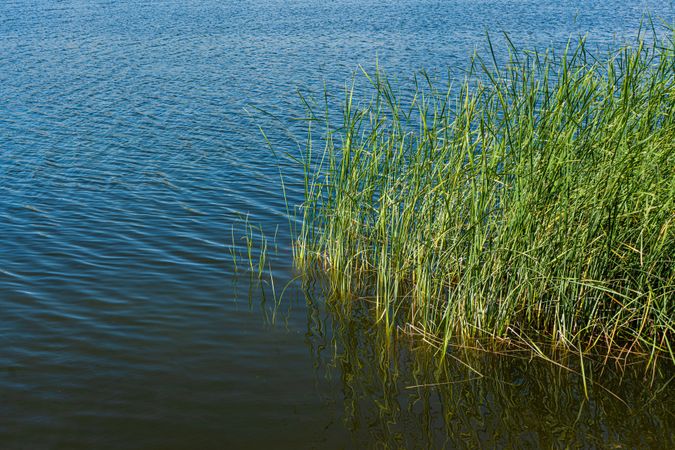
x,y
397,393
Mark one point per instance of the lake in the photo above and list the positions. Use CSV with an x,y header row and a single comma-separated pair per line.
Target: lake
x,y
133,168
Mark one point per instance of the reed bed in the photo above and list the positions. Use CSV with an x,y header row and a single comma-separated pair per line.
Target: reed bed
x,y
531,202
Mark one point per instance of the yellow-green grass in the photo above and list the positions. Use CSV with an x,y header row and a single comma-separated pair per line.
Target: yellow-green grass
x,y
530,201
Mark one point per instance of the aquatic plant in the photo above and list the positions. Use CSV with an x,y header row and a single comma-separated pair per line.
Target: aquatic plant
x,y
396,393
530,202
254,252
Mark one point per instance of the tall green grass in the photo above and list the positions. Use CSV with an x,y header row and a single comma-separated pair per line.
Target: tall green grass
x,y
531,201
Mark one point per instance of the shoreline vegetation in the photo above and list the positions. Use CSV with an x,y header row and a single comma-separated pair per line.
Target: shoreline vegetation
x,y
529,205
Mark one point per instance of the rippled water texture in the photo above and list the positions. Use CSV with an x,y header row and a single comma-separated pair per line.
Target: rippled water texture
x,y
130,156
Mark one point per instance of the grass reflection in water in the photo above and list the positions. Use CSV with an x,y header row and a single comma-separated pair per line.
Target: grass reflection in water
x,y
396,394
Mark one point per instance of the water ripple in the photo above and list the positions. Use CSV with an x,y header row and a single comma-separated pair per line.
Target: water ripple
x,y
129,150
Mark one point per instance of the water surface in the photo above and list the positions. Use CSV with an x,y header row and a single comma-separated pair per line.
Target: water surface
x,y
130,159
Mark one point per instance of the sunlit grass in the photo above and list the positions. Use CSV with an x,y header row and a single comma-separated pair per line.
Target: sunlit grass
x,y
532,201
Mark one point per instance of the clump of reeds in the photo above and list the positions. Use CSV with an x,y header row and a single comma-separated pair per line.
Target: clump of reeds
x,y
253,254
532,201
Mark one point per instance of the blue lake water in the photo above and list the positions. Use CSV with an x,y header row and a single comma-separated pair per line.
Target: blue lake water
x,y
131,159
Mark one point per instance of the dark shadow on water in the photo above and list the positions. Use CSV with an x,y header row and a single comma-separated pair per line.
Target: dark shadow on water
x,y
397,393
